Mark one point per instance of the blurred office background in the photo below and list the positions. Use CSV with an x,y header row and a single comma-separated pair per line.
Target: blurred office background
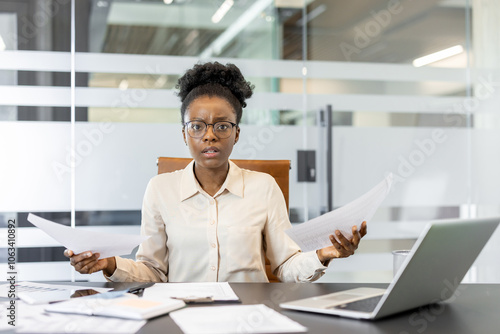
x,y
101,83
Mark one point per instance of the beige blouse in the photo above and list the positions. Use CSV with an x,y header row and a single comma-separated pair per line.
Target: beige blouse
x,y
197,237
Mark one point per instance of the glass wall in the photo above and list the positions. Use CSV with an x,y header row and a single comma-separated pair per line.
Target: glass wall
x,y
87,104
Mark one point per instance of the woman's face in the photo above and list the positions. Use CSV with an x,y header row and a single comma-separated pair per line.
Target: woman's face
x,y
209,151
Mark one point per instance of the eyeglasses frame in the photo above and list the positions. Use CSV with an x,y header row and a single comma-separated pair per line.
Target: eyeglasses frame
x,y
213,127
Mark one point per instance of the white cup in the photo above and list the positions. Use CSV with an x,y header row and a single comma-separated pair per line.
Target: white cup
x,y
399,256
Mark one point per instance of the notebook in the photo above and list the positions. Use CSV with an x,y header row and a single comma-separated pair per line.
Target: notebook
x,y
127,306
432,272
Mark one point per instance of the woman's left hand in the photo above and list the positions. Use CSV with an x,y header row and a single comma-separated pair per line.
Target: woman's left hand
x,y
344,248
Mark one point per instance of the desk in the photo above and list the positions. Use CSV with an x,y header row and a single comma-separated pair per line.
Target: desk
x,y
475,310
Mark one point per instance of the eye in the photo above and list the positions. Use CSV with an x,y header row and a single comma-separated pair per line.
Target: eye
x,y
196,126
222,126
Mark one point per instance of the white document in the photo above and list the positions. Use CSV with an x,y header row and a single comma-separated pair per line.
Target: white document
x,y
315,233
127,306
234,319
27,287
33,319
78,240
218,291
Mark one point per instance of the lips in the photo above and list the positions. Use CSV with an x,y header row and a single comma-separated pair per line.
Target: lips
x,y
210,149
210,152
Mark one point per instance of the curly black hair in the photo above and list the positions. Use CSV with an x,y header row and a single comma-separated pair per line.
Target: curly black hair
x,y
214,79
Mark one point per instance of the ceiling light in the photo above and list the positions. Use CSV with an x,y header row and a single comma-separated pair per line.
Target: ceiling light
x,y
440,55
216,47
222,11
168,2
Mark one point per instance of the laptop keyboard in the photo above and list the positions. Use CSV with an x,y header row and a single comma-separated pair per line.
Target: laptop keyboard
x,y
363,305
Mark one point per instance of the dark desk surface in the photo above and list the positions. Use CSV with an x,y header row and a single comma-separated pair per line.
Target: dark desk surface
x,y
474,310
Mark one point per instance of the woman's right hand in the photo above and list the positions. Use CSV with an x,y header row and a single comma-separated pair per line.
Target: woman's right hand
x,y
88,263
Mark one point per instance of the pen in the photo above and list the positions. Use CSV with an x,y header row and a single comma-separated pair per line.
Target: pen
x,y
196,299
138,290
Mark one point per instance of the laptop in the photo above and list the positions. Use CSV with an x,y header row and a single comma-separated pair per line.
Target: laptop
x,y
431,273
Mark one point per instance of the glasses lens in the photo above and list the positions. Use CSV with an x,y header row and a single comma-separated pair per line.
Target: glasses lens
x,y
196,129
223,129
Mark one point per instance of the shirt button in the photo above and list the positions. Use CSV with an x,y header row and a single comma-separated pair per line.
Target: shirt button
x,y
213,245
212,222
212,267
212,201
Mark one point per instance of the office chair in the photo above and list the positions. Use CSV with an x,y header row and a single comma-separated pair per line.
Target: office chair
x,y
279,169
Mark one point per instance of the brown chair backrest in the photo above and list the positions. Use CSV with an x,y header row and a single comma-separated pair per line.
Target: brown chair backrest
x,y
279,169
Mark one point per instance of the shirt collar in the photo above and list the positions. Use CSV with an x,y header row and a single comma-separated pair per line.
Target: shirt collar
x,y
234,180
190,186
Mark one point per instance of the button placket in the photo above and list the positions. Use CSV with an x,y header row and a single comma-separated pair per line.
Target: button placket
x,y
212,240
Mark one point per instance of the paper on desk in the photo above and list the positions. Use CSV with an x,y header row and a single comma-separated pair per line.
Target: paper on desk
x,y
43,287
79,240
315,233
219,291
33,319
234,319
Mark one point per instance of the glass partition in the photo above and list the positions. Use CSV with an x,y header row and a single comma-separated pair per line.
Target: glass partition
x,y
35,130
432,126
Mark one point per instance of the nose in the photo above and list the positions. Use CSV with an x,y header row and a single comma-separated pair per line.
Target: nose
x,y
209,134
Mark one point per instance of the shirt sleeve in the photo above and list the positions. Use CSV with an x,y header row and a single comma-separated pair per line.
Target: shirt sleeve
x,y
288,262
151,263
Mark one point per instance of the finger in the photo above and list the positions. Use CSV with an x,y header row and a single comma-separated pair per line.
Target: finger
x,y
68,253
337,250
356,237
80,257
79,265
89,267
335,243
82,262
92,267
363,229
342,248
344,242
337,247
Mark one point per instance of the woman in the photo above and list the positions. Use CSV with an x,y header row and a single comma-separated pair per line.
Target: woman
x,y
213,221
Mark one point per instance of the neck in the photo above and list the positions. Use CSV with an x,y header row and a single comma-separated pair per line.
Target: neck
x,y
211,179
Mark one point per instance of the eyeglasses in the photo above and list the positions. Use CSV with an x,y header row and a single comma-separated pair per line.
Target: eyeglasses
x,y
197,129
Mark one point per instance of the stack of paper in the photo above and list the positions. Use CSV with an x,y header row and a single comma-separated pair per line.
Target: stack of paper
x,y
33,319
217,291
27,287
79,240
234,319
127,306
315,233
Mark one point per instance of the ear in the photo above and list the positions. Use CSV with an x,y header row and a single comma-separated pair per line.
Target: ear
x,y
237,137
184,136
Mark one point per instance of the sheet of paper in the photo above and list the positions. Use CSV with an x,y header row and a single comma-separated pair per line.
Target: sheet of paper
x,y
43,287
79,240
234,319
33,319
218,291
315,233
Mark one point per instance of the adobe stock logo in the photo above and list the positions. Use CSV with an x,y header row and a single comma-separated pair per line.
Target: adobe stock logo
x,y
365,34
93,138
424,149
